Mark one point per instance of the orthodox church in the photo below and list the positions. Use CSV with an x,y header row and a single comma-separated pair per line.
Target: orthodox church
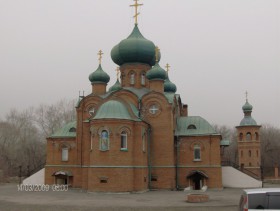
x,y
136,135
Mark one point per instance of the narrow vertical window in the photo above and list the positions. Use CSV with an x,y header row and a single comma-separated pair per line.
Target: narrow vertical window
x,y
123,140
144,142
197,153
132,78
104,140
250,153
241,153
143,79
64,154
241,137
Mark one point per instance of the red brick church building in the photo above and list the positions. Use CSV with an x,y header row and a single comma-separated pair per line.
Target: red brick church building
x,y
136,135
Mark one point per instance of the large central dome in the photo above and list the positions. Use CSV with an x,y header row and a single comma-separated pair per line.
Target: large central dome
x,y
134,49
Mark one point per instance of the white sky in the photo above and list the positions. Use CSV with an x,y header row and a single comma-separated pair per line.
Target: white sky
x,y
217,50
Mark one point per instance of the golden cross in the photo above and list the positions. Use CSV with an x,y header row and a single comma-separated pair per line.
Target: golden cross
x,y
157,53
118,72
167,67
136,5
100,53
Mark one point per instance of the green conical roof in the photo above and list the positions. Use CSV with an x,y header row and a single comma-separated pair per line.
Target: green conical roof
x,y
156,73
117,86
169,86
99,76
134,49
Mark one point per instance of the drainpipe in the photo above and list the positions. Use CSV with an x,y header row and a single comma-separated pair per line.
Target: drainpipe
x,y
149,157
148,144
177,161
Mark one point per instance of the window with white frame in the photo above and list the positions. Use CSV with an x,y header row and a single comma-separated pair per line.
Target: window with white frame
x,y
123,140
197,152
64,154
132,78
143,78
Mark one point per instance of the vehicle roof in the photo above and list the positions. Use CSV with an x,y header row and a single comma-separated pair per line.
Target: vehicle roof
x,y
261,190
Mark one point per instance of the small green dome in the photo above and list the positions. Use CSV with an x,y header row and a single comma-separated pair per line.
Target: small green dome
x,y
169,86
99,76
117,86
135,48
247,107
112,110
156,73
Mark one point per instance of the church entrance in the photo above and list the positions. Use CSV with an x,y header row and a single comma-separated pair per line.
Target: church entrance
x,y
197,179
63,177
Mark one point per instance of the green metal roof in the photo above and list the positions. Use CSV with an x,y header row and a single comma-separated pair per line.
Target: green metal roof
x,y
65,131
169,86
248,121
202,127
135,48
156,73
99,76
225,142
117,86
169,96
113,110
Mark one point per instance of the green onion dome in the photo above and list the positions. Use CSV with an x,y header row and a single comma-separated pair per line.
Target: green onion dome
x,y
247,107
117,86
99,76
156,73
134,49
169,86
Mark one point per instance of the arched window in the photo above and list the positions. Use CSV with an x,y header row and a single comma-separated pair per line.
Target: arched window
x,y
143,79
241,137
191,127
197,152
132,78
249,153
91,111
64,154
104,140
257,152
123,140
248,136
72,129
256,136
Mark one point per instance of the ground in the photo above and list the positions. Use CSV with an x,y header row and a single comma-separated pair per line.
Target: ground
x,y
73,199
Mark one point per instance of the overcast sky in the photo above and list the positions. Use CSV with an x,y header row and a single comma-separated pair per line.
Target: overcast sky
x,y
217,50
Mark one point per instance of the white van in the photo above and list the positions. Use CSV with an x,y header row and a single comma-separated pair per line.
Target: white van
x,y
260,199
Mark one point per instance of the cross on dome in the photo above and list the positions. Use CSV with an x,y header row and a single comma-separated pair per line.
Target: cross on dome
x,y
136,5
157,53
100,53
167,66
